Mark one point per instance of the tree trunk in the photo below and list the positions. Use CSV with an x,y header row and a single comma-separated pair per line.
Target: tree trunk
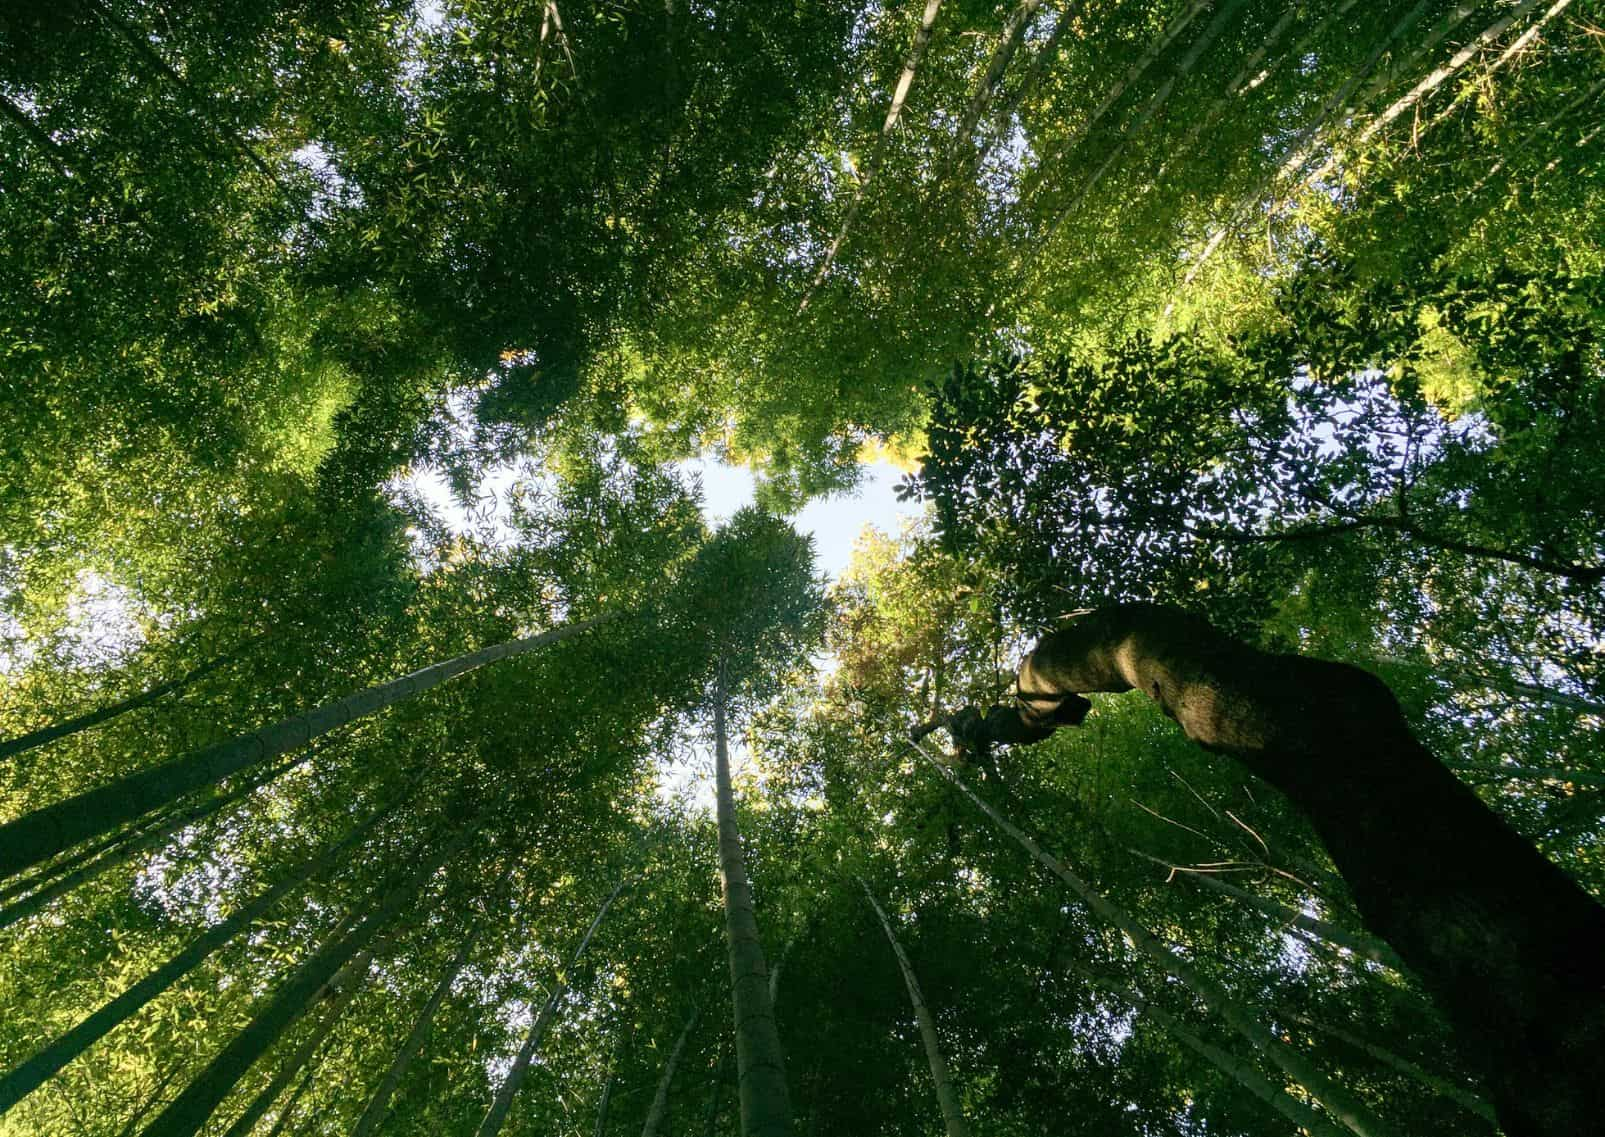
x,y
1337,1101
1363,946
348,983
45,734
21,1081
712,1120
904,81
151,839
283,1120
1506,943
952,1117
1014,29
760,1065
1244,1074
379,1103
42,834
1458,1094
607,1088
660,1100
503,1101
189,1112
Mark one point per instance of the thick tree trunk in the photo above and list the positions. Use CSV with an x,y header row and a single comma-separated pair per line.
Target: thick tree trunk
x,y
46,734
30,1075
141,843
189,1112
760,1064
503,1101
1337,1101
660,1100
952,1116
348,983
1510,948
42,834
379,1103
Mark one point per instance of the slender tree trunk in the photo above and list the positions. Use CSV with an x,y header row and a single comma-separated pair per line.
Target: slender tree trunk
x,y
1436,78
1458,1094
1243,1073
503,1101
1363,946
760,1065
607,1087
952,1116
379,1103
154,838
922,39
45,734
711,1121
42,834
1014,29
1337,1101
1150,108
349,982
780,965
660,1100
1506,943
190,1111
21,1081
280,1122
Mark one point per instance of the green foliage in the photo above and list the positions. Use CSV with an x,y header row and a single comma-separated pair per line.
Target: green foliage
x,y
264,262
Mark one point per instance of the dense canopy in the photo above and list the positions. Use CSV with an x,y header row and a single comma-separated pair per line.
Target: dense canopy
x,y
393,739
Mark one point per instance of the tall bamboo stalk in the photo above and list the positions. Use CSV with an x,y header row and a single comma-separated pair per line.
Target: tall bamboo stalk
x,y
503,1100
760,1064
373,1113
42,834
660,1099
1337,1101
952,1116
22,1080
189,1112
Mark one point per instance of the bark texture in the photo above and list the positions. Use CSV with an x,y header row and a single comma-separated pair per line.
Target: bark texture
x,y
952,1116
760,1065
1509,947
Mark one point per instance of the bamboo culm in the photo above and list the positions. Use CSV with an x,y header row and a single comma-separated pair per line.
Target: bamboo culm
x,y
355,974
760,1065
660,1099
189,1112
952,1116
37,836
151,839
1337,1101
503,1101
19,1082
373,1113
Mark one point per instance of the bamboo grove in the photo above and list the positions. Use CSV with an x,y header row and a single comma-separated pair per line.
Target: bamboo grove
x,y
397,736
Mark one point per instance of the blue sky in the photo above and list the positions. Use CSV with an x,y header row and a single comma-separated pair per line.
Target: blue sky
x,y
834,523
